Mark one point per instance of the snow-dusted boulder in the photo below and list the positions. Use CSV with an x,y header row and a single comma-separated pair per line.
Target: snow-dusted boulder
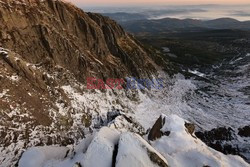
x,y
181,148
135,151
100,150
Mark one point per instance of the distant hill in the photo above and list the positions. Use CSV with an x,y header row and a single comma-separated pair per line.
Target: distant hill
x,y
138,23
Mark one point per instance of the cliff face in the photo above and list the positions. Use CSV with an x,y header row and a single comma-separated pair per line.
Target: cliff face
x,y
47,50
55,32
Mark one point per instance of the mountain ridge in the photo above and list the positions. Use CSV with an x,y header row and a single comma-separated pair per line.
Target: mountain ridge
x,y
168,24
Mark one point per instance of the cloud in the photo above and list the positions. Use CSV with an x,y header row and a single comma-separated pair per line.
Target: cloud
x,y
241,13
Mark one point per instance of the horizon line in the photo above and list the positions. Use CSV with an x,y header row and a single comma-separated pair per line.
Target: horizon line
x,y
157,4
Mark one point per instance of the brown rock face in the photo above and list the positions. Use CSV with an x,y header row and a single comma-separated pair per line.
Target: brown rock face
x,y
55,37
190,127
155,132
84,43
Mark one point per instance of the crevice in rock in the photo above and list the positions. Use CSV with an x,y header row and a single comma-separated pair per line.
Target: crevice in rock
x,y
115,152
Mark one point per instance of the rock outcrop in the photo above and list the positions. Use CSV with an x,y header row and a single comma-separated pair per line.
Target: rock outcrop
x,y
224,139
119,148
108,147
156,132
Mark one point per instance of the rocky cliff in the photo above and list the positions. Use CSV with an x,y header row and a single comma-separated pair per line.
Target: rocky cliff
x,y
57,33
47,50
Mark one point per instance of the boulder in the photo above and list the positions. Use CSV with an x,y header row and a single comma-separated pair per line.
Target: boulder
x,y
135,151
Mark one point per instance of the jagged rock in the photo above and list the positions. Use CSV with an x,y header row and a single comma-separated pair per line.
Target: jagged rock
x,y
123,122
157,159
112,115
244,132
190,127
156,132
221,133
20,66
77,165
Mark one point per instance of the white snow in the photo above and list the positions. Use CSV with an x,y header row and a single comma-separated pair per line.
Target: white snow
x,y
133,152
37,156
236,60
170,100
14,78
195,72
100,151
172,55
4,93
166,49
3,51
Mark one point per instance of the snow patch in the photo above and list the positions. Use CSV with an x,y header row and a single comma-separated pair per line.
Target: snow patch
x,y
37,156
195,72
14,78
4,93
3,51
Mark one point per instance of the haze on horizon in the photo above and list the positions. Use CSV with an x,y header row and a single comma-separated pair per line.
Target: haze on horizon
x,y
181,9
156,2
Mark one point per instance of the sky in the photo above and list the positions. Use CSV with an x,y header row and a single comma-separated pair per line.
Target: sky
x,y
149,2
182,9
